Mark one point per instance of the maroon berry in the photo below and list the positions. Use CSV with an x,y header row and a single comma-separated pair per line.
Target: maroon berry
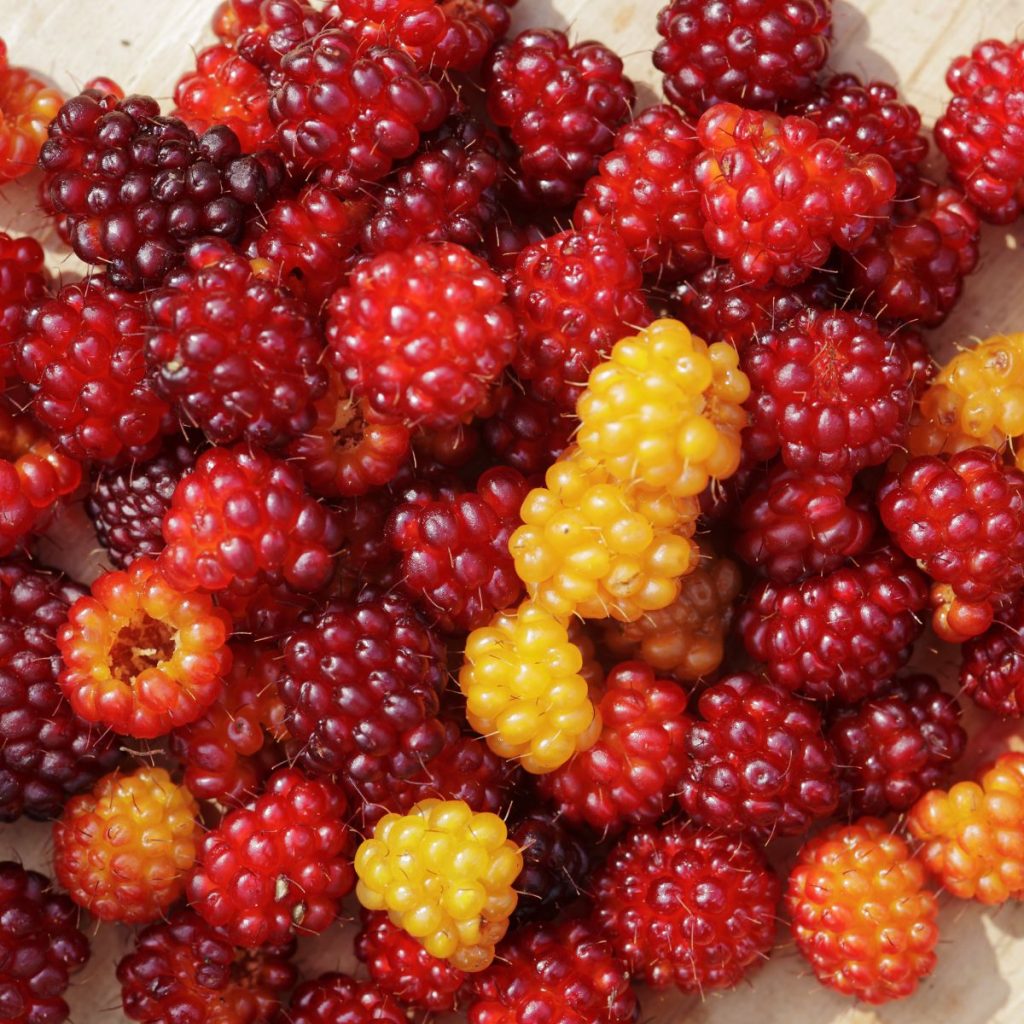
x,y
992,665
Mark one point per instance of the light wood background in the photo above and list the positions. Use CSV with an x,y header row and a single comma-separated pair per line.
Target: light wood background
x,y
146,44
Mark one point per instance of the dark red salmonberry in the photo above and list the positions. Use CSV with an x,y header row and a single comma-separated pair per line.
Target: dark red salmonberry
x,y
341,999
524,432
992,665
268,33
24,284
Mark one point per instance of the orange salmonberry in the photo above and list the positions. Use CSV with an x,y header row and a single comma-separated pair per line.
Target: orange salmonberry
x,y
27,106
973,833
860,912
123,850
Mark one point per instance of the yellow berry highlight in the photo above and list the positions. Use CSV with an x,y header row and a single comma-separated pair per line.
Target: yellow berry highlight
x,y
665,410
525,689
444,873
593,546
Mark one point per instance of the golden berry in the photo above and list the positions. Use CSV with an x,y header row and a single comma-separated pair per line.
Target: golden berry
x,y
123,850
665,410
593,546
973,834
525,692
443,873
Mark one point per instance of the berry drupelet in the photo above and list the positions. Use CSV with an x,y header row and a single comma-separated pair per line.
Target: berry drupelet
x,y
269,31
524,432
278,867
860,912
41,946
422,334
237,354
561,105
896,746
123,850
992,665
687,906
27,106
24,285
337,997
130,188
777,196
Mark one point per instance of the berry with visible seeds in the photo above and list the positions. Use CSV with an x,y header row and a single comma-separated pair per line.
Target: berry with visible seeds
x,y
345,116
237,354
27,106
896,746
561,105
131,188
561,973
225,88
337,997
400,967
361,686
756,761
992,665
41,946
524,432
423,333
277,867
645,193
962,519
455,559
777,196
861,915
123,850
793,525
762,54
24,285
574,296
242,518
458,902
829,393
141,656
629,776
82,355
688,906
841,636
973,834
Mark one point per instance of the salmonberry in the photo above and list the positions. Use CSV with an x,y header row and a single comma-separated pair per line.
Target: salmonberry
x,y
123,850
27,106
861,915
992,665
337,997
269,31
524,432
24,285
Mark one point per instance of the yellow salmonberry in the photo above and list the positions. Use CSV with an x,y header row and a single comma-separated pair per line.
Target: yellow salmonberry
x,y
976,399
665,410
444,873
592,546
525,691
973,834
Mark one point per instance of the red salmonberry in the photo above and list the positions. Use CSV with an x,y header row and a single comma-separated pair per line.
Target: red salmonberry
x,y
992,665
337,997
270,30
524,432
422,333
841,636
27,106
23,285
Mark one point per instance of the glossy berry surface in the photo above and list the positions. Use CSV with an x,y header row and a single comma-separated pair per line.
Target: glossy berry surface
x,y
992,665
337,997
524,432
24,285
27,106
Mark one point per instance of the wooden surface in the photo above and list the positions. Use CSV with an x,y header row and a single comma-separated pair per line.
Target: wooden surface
x,y
146,44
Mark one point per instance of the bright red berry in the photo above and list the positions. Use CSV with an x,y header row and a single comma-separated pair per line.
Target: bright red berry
x,y
339,998
992,665
841,636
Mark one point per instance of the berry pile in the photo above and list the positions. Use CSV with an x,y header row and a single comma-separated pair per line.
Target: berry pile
x,y
521,518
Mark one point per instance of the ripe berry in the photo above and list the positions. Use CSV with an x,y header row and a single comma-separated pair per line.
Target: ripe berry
x,y
524,432
829,392
962,519
181,969
277,867
271,30
401,968
645,193
978,133
524,691
362,685
841,636
777,196
992,665
141,656
337,997
861,915
225,88
27,106
122,851
629,776
131,188
561,973
41,945
445,874
574,296
237,354
344,115
422,333
561,105
687,906
792,525
896,746
24,285
82,356
241,518
756,761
